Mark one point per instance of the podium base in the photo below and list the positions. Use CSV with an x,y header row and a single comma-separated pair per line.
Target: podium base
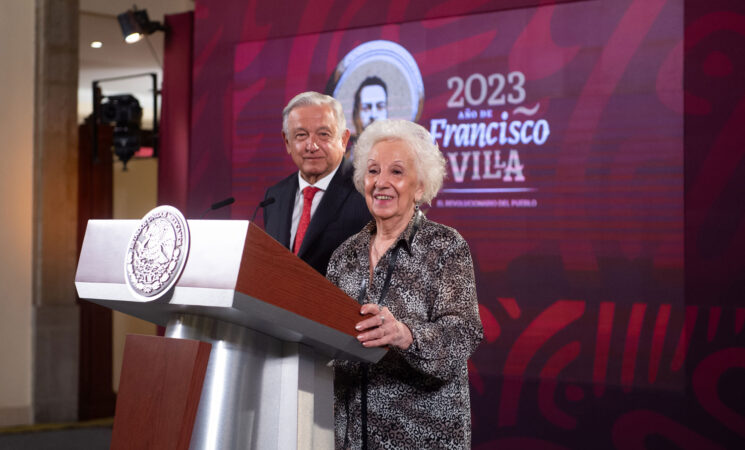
x,y
159,392
258,392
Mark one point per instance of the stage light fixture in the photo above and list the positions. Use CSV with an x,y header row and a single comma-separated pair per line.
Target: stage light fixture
x,y
125,113
136,24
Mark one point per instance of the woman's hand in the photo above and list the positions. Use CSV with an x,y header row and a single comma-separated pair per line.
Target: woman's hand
x,y
382,329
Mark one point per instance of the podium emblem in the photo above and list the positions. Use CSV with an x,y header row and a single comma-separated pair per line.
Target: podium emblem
x,y
156,253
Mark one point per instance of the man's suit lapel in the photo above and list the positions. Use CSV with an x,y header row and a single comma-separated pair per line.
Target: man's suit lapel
x,y
330,206
286,203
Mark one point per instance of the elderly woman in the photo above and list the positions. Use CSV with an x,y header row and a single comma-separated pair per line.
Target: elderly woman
x,y
416,277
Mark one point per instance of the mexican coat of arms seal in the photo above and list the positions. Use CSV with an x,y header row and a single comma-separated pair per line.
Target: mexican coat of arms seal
x,y
156,253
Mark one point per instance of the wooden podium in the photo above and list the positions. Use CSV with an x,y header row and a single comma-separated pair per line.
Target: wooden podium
x,y
272,321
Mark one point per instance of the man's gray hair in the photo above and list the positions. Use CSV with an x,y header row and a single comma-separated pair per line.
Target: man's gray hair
x,y
312,98
429,162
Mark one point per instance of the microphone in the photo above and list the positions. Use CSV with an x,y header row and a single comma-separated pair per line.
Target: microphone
x,y
218,205
263,204
221,203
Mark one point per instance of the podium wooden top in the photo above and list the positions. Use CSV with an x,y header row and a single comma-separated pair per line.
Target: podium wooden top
x,y
235,272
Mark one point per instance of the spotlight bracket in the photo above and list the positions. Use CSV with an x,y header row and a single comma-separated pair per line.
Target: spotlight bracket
x,y
136,21
97,98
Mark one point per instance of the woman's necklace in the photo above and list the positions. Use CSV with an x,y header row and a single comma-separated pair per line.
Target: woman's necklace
x,y
375,252
378,252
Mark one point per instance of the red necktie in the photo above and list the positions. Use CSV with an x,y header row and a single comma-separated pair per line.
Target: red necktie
x,y
308,194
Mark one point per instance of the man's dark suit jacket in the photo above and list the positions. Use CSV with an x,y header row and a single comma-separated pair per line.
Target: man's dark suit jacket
x,y
341,213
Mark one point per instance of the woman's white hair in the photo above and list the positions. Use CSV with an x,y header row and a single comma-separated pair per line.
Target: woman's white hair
x,y
429,162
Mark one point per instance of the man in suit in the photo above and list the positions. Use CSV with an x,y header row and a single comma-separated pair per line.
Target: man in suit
x,y
317,208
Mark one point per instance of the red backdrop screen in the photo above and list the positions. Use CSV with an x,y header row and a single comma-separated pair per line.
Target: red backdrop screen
x,y
563,127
